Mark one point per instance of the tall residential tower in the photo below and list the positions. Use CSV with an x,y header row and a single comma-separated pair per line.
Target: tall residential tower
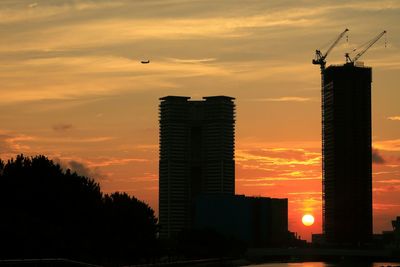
x,y
347,154
196,156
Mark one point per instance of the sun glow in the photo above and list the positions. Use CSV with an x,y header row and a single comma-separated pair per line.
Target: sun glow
x,y
308,220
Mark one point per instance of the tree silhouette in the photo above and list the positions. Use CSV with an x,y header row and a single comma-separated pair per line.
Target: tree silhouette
x,y
48,212
128,220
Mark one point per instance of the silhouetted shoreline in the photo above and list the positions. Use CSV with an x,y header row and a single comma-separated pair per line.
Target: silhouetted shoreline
x,y
253,256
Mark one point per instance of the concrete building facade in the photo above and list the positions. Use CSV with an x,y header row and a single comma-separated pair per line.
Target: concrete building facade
x,y
196,156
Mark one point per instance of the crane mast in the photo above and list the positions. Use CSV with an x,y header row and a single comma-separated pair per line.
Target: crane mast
x,y
370,43
320,58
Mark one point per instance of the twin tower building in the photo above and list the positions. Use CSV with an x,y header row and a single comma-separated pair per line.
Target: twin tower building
x,y
197,144
197,167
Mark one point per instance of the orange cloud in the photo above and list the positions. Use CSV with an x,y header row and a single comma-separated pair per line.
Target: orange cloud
x,y
115,161
391,181
382,206
258,184
275,179
278,156
284,99
388,145
394,118
319,193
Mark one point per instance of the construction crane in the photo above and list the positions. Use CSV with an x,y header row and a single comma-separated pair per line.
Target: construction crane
x,y
320,58
369,44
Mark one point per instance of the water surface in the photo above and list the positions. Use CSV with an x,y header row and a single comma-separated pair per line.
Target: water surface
x,y
324,264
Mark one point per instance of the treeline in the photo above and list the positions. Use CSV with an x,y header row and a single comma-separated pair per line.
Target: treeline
x,y
48,212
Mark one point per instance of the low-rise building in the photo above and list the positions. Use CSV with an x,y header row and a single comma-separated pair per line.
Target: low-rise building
x,y
258,221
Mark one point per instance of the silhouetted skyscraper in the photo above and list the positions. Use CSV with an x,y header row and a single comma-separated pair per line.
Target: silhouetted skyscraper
x,y
347,154
196,156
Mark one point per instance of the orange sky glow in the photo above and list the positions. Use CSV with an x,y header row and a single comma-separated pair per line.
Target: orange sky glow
x,y
73,88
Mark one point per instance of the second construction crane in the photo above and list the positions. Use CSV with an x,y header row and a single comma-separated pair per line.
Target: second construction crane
x,y
367,46
320,59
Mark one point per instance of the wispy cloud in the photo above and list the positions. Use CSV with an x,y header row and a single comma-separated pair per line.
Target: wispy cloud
x,y
33,5
258,184
394,118
62,127
390,181
12,143
150,178
192,61
388,145
283,99
99,76
306,193
385,206
34,12
78,140
115,161
278,157
385,172
277,179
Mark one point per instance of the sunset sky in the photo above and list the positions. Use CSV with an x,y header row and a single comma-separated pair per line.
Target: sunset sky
x,y
73,88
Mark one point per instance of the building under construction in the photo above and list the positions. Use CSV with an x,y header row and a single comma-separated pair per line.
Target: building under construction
x,y
347,173
346,147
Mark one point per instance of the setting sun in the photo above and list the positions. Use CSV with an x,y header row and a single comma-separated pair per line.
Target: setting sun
x,y
308,220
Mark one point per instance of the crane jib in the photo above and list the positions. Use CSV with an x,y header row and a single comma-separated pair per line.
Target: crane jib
x,y
320,58
362,52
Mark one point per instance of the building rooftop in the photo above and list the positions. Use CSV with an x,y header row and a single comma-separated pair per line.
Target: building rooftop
x,y
357,64
176,98
218,97
186,98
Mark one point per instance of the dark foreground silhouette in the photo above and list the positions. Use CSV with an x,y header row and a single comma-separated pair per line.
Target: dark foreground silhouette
x,y
48,212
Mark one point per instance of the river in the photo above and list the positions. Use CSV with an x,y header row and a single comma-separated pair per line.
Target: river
x,y
324,264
